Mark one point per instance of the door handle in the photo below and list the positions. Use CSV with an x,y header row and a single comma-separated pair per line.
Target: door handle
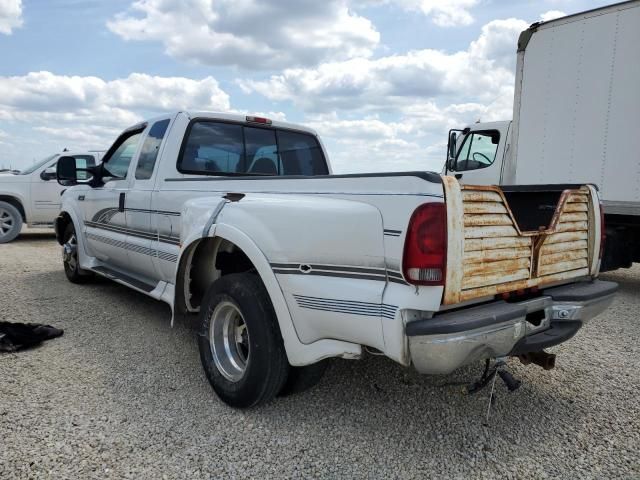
x,y
121,202
458,176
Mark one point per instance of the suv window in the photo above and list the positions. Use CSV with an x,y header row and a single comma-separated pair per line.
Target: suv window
x,y
226,148
117,163
478,150
150,149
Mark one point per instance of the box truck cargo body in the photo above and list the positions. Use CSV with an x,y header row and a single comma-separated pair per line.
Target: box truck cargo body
x,y
576,119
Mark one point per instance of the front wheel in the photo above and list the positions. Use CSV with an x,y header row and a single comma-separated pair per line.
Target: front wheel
x,y
70,257
10,222
240,343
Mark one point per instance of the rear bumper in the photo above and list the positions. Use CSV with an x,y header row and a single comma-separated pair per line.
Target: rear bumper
x,y
450,340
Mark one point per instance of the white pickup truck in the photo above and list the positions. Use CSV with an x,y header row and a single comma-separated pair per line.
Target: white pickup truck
x,y
239,220
32,196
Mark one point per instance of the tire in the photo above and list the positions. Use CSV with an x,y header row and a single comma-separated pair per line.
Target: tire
x,y
10,222
70,258
301,379
251,367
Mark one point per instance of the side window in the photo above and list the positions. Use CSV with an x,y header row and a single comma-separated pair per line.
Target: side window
x,y
213,147
478,150
117,164
300,154
261,151
150,149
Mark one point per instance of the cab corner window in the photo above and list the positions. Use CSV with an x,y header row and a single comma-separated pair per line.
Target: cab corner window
x,y
150,148
117,163
478,150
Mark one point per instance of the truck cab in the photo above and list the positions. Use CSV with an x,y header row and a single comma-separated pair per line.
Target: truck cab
x,y
477,153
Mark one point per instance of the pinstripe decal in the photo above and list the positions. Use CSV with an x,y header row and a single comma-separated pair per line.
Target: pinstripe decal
x,y
392,233
169,257
350,307
134,233
340,271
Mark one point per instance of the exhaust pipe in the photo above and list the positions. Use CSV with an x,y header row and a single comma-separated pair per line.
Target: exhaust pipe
x,y
541,358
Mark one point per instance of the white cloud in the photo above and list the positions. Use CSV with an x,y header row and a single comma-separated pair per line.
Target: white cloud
x,y
89,112
10,15
254,34
445,13
479,73
393,113
551,15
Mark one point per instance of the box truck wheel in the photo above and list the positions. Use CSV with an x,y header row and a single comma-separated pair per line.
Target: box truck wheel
x,y
240,343
10,222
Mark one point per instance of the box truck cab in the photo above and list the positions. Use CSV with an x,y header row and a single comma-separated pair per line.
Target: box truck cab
x,y
575,118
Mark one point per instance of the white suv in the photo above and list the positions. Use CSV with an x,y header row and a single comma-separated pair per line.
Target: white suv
x,y
32,196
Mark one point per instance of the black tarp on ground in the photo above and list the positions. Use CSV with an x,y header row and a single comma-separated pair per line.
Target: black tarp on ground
x,y
18,336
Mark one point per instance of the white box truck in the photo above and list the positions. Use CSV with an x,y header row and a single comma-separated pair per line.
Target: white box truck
x,y
576,116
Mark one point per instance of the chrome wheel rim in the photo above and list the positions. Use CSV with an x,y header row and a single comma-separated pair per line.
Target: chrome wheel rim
x,y
229,340
70,252
7,222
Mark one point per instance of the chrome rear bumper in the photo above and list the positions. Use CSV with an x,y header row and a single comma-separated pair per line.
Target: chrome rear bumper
x,y
440,344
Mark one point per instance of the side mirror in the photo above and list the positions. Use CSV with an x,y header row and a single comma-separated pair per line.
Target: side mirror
x,y
68,173
452,144
48,174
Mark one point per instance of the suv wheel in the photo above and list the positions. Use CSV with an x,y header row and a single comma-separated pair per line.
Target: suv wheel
x,y
240,343
10,222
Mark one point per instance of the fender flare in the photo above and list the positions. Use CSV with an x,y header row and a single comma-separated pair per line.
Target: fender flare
x,y
298,353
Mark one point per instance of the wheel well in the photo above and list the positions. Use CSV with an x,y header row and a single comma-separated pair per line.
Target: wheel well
x,y
16,203
203,264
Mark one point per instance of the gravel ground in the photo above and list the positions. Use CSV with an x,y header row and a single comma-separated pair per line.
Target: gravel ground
x,y
122,395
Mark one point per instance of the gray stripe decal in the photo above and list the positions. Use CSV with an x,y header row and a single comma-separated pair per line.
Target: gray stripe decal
x,y
350,307
169,257
134,233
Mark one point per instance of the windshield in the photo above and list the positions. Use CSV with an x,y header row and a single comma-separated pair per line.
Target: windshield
x,y
37,165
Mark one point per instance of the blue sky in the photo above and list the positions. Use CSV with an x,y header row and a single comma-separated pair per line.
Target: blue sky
x,y
381,80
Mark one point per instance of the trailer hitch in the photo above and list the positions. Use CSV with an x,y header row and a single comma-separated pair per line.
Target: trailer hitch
x,y
491,372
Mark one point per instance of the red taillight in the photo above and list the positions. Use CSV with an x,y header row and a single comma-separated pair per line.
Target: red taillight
x,y
264,121
425,248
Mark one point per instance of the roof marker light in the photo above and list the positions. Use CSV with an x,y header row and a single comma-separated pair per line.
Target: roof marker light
x,y
262,120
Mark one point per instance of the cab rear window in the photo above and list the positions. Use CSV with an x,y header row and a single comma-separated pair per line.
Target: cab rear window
x,y
219,148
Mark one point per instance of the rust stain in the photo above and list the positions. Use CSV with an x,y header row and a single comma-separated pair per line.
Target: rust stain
x,y
497,254
560,257
484,207
474,244
496,267
563,247
486,219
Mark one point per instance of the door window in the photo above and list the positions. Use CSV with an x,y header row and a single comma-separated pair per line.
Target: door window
x,y
117,163
150,149
478,150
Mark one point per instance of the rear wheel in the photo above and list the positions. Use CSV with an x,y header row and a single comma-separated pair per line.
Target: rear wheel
x,y
10,222
240,344
70,257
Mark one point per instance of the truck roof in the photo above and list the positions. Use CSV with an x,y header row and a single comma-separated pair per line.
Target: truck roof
x,y
237,117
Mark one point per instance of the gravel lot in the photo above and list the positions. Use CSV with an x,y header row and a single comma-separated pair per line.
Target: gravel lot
x,y
122,395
